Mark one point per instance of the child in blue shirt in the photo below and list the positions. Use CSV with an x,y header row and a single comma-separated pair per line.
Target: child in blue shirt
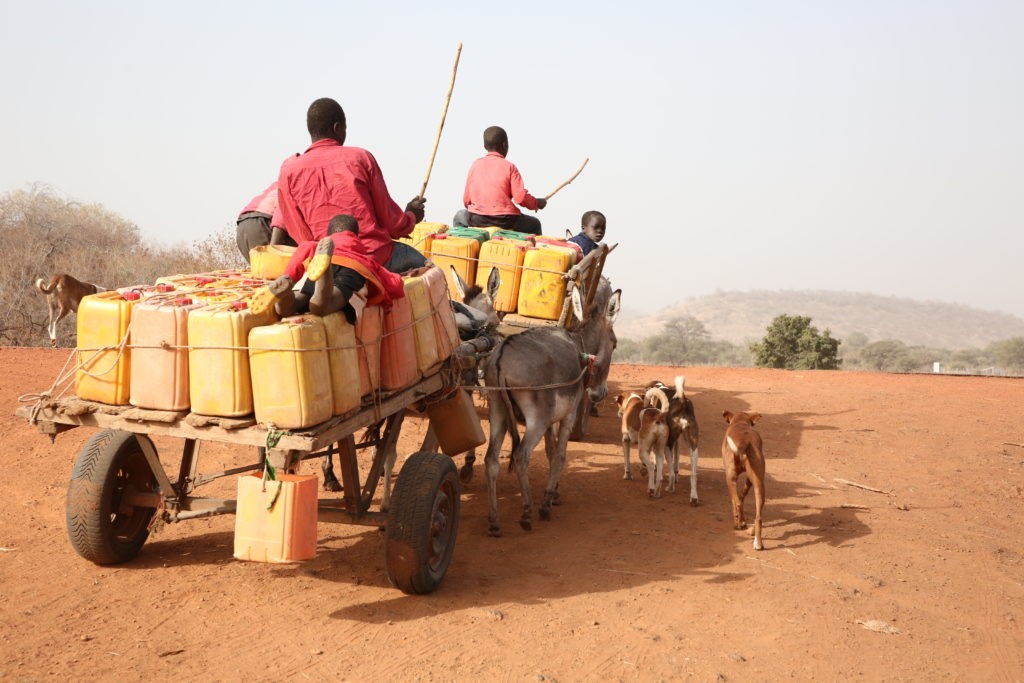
x,y
592,227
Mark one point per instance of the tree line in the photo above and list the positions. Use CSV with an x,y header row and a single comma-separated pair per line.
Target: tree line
x,y
793,342
45,234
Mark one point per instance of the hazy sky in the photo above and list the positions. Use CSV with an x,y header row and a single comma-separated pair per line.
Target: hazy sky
x,y
866,146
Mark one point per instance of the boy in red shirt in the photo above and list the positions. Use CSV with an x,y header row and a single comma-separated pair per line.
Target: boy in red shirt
x,y
341,254
494,187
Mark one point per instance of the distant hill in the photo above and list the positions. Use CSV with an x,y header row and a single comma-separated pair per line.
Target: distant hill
x,y
740,317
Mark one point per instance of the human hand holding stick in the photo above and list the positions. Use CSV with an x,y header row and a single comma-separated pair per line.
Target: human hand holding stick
x,y
440,127
578,171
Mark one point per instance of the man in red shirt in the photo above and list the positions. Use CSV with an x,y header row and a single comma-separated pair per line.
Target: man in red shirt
x,y
259,223
329,179
494,187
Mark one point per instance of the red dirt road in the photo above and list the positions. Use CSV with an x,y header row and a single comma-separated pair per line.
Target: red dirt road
x,y
617,587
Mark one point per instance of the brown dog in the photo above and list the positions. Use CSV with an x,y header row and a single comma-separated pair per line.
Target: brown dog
x,y
62,296
742,452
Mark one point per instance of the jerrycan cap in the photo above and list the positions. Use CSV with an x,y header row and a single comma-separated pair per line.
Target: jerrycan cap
x,y
164,287
239,305
182,301
205,281
131,296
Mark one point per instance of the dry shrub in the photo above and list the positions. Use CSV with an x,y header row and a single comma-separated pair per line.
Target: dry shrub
x,y
45,234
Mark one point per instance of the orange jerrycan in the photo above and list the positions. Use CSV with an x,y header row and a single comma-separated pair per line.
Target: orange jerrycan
x,y
103,354
286,532
398,366
369,330
159,339
289,367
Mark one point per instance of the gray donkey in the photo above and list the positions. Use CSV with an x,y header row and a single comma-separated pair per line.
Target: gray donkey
x,y
539,377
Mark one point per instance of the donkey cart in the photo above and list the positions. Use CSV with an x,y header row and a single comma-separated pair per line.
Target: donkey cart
x,y
119,488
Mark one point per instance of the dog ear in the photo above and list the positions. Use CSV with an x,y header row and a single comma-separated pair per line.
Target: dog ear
x,y
754,417
727,415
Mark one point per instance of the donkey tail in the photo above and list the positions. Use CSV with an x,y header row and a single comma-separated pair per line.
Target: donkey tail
x,y
510,416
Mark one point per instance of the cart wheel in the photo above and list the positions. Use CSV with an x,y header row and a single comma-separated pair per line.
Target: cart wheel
x,y
579,425
422,523
100,527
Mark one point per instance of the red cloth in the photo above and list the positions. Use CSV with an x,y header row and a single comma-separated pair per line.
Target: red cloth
x,y
381,284
492,184
329,179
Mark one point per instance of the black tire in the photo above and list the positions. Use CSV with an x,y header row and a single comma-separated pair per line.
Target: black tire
x,y
423,522
100,529
579,425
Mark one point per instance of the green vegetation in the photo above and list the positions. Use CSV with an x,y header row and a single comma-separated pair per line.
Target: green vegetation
x,y
794,344
44,234
683,341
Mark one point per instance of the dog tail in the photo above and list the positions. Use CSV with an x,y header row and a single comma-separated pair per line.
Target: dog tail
x,y
680,380
41,286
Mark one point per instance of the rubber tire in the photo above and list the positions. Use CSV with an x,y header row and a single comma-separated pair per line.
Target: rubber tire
x,y
418,550
579,425
107,463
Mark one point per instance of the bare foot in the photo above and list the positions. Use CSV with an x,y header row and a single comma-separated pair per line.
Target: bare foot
x,y
267,296
321,260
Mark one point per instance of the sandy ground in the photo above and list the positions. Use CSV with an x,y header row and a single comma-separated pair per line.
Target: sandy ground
x,y
617,587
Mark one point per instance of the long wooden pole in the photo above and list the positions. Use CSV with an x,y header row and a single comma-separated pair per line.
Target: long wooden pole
x,y
578,171
440,126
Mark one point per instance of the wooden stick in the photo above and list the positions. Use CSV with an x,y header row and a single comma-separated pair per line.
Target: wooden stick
x,y
440,126
578,171
859,486
853,506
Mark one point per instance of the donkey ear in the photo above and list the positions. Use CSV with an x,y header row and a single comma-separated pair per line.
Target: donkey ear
x,y
614,306
568,233
493,283
460,284
577,303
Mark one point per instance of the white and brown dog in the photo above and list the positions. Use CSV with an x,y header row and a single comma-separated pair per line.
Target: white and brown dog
x,y
648,429
742,452
643,429
63,295
682,425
